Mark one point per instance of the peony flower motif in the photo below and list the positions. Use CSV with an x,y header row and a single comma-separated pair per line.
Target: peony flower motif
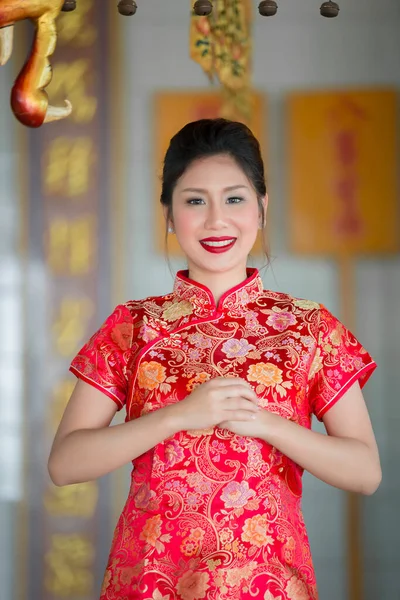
x,y
194,354
281,320
199,340
297,589
236,495
193,585
193,499
255,531
316,364
151,530
143,496
236,575
197,380
122,335
226,536
127,574
306,304
150,375
147,333
202,486
173,453
306,340
358,363
239,443
336,336
237,348
265,373
176,310
190,546
251,318
347,363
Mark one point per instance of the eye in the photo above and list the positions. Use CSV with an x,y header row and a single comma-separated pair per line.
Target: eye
x,y
195,201
235,200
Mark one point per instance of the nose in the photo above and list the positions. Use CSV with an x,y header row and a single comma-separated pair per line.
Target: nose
x,y
214,217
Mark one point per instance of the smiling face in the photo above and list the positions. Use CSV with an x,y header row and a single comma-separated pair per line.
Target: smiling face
x,y
216,216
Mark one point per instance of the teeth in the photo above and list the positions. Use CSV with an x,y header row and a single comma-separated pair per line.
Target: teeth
x,y
219,244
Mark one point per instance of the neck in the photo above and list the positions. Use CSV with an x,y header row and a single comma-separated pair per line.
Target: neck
x,y
218,283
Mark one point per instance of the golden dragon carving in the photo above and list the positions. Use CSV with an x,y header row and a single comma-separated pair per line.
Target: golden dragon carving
x,y
29,100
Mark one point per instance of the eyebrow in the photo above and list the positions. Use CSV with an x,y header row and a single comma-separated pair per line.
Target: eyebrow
x,y
230,188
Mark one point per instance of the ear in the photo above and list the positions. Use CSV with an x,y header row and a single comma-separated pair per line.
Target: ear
x,y
168,221
264,202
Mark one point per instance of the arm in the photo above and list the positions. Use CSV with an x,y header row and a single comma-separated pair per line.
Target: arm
x,y
346,458
85,447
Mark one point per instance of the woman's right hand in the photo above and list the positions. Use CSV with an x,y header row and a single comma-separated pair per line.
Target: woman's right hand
x,y
220,399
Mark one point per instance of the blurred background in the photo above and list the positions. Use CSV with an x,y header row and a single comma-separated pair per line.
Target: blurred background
x,y
81,231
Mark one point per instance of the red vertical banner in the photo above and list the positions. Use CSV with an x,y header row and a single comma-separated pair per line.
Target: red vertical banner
x,y
68,295
342,165
343,203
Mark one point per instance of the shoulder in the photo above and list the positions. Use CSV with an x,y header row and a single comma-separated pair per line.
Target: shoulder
x,y
144,309
283,311
284,301
147,304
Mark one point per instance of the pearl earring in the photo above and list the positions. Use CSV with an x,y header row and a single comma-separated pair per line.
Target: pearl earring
x,y
170,229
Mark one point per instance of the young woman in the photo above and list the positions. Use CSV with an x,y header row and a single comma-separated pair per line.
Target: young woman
x,y
219,379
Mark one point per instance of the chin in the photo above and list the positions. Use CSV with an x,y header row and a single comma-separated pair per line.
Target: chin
x,y
216,264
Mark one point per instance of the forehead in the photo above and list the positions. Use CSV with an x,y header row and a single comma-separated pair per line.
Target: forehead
x,y
213,171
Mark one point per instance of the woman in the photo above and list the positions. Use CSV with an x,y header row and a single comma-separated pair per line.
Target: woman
x,y
220,379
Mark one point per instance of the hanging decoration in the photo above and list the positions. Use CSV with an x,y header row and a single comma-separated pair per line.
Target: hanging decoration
x,y
29,101
220,42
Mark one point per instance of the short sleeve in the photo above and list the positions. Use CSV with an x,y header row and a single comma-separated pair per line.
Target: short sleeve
x,y
339,361
103,360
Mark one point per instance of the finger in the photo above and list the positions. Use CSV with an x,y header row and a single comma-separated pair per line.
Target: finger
x,y
240,403
241,391
240,415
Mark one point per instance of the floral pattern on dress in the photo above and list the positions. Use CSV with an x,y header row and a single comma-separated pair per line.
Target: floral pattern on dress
x,y
211,514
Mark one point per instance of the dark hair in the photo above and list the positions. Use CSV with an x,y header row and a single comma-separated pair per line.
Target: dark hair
x,y
209,137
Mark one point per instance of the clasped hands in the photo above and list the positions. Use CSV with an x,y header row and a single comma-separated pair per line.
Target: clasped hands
x,y
226,402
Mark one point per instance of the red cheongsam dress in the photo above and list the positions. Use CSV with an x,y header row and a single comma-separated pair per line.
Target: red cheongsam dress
x,y
211,514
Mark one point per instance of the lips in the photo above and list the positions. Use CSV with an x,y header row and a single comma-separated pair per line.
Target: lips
x,y
216,245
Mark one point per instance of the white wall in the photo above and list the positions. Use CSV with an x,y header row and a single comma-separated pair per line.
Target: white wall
x,y
296,49
11,347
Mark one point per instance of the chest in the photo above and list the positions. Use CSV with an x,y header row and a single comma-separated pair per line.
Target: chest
x,y
274,360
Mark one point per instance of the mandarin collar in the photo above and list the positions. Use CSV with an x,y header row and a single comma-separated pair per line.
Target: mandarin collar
x,y
202,300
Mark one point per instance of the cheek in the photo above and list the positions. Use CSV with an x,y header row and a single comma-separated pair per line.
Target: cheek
x,y
185,223
248,220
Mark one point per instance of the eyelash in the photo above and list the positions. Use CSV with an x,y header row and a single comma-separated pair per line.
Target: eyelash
x,y
198,201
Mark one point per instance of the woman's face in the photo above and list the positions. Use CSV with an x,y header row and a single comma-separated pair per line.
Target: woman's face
x,y
215,216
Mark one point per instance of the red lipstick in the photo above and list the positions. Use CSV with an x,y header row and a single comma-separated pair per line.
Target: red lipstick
x,y
217,245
